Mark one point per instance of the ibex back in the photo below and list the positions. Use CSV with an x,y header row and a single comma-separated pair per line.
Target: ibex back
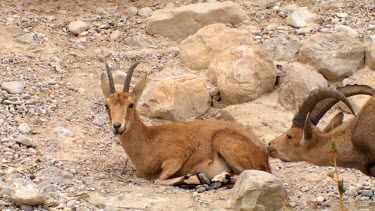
x,y
172,152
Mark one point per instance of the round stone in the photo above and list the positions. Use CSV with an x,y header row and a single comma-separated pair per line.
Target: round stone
x,y
77,27
13,87
24,128
25,141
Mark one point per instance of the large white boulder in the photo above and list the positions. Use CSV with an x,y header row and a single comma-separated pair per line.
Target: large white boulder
x,y
180,98
181,22
259,116
282,48
258,191
300,17
300,80
242,73
197,51
363,77
335,55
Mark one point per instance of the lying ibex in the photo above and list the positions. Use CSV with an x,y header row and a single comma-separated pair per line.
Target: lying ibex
x,y
184,152
355,138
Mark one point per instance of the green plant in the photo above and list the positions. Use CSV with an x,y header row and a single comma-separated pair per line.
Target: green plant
x,y
336,176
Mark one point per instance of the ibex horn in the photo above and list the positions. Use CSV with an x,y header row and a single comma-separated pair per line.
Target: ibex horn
x,y
110,79
316,96
129,77
323,106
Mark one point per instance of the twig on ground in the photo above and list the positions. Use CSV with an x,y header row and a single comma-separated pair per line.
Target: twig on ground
x,y
6,166
56,203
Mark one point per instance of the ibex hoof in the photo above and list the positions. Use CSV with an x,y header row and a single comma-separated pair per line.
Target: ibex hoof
x,y
203,178
223,178
226,180
187,176
216,185
202,188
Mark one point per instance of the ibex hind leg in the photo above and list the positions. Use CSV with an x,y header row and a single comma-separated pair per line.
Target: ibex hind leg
x,y
169,168
240,153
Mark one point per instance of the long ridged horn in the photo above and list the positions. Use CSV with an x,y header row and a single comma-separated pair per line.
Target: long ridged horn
x,y
314,97
307,130
110,79
349,90
129,77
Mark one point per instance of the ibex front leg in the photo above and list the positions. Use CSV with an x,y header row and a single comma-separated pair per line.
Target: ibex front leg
x,y
183,180
169,168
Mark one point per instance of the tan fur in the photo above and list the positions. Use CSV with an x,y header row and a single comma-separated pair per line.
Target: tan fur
x,y
173,150
355,143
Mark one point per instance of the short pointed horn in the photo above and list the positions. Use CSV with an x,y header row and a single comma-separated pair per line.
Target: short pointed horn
x,y
314,97
129,77
110,79
323,106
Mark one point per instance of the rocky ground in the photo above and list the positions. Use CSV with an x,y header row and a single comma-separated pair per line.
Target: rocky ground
x,y
54,130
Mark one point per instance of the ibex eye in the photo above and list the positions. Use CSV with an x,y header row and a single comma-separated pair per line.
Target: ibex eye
x,y
106,106
131,105
289,137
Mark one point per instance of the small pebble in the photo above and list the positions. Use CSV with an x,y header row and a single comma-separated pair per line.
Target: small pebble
x,y
145,12
24,140
320,199
77,27
101,11
13,87
24,128
101,58
115,35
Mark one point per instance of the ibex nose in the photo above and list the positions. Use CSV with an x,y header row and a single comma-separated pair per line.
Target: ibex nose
x,y
116,125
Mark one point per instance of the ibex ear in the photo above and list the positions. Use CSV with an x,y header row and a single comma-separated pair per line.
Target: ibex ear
x,y
336,121
307,132
105,86
138,89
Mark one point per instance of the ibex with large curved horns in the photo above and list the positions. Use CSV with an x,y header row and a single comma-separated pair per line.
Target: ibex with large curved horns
x,y
355,138
198,152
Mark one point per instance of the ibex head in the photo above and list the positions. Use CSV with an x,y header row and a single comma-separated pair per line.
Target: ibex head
x,y
303,135
121,106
